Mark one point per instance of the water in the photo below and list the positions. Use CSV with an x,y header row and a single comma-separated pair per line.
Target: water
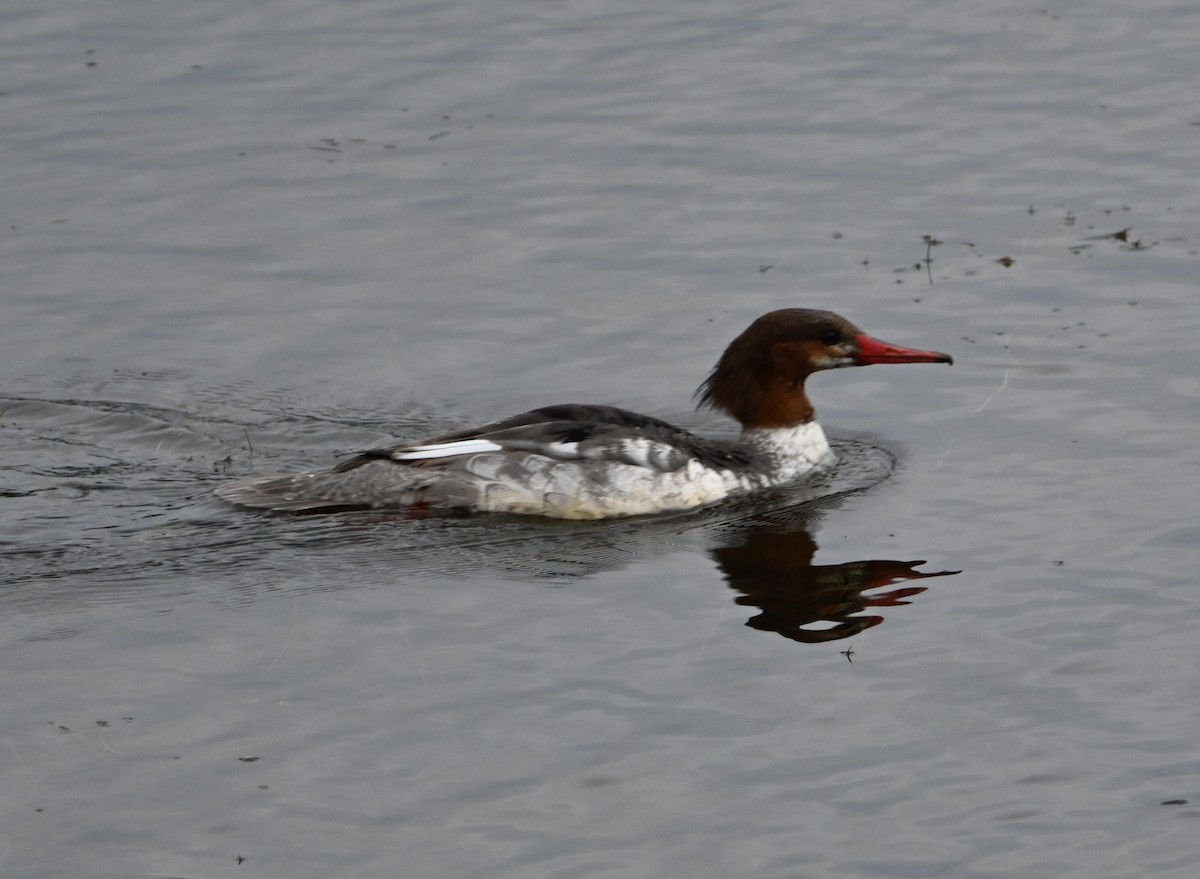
x,y
245,239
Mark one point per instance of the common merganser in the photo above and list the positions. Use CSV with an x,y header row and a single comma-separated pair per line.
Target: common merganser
x,y
575,461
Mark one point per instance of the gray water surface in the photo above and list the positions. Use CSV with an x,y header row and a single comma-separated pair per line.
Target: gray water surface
x,y
245,238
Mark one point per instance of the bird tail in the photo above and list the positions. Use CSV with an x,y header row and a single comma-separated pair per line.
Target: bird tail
x,y
373,486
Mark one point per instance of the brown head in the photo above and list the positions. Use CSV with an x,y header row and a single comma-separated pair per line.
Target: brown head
x,y
759,380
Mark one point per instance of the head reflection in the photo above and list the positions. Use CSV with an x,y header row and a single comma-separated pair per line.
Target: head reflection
x,y
771,565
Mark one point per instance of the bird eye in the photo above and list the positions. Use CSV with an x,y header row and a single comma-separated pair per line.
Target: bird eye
x,y
831,337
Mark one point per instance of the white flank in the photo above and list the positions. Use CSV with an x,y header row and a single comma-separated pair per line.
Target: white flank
x,y
445,450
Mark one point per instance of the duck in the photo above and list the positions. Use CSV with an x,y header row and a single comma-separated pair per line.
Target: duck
x,y
585,461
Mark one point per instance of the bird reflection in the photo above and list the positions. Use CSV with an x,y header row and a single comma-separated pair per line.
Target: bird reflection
x,y
772,567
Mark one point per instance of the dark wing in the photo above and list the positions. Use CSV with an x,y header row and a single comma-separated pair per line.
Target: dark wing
x,y
567,432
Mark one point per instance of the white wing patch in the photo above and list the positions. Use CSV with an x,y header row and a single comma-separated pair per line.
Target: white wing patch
x,y
638,452
565,451
445,450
